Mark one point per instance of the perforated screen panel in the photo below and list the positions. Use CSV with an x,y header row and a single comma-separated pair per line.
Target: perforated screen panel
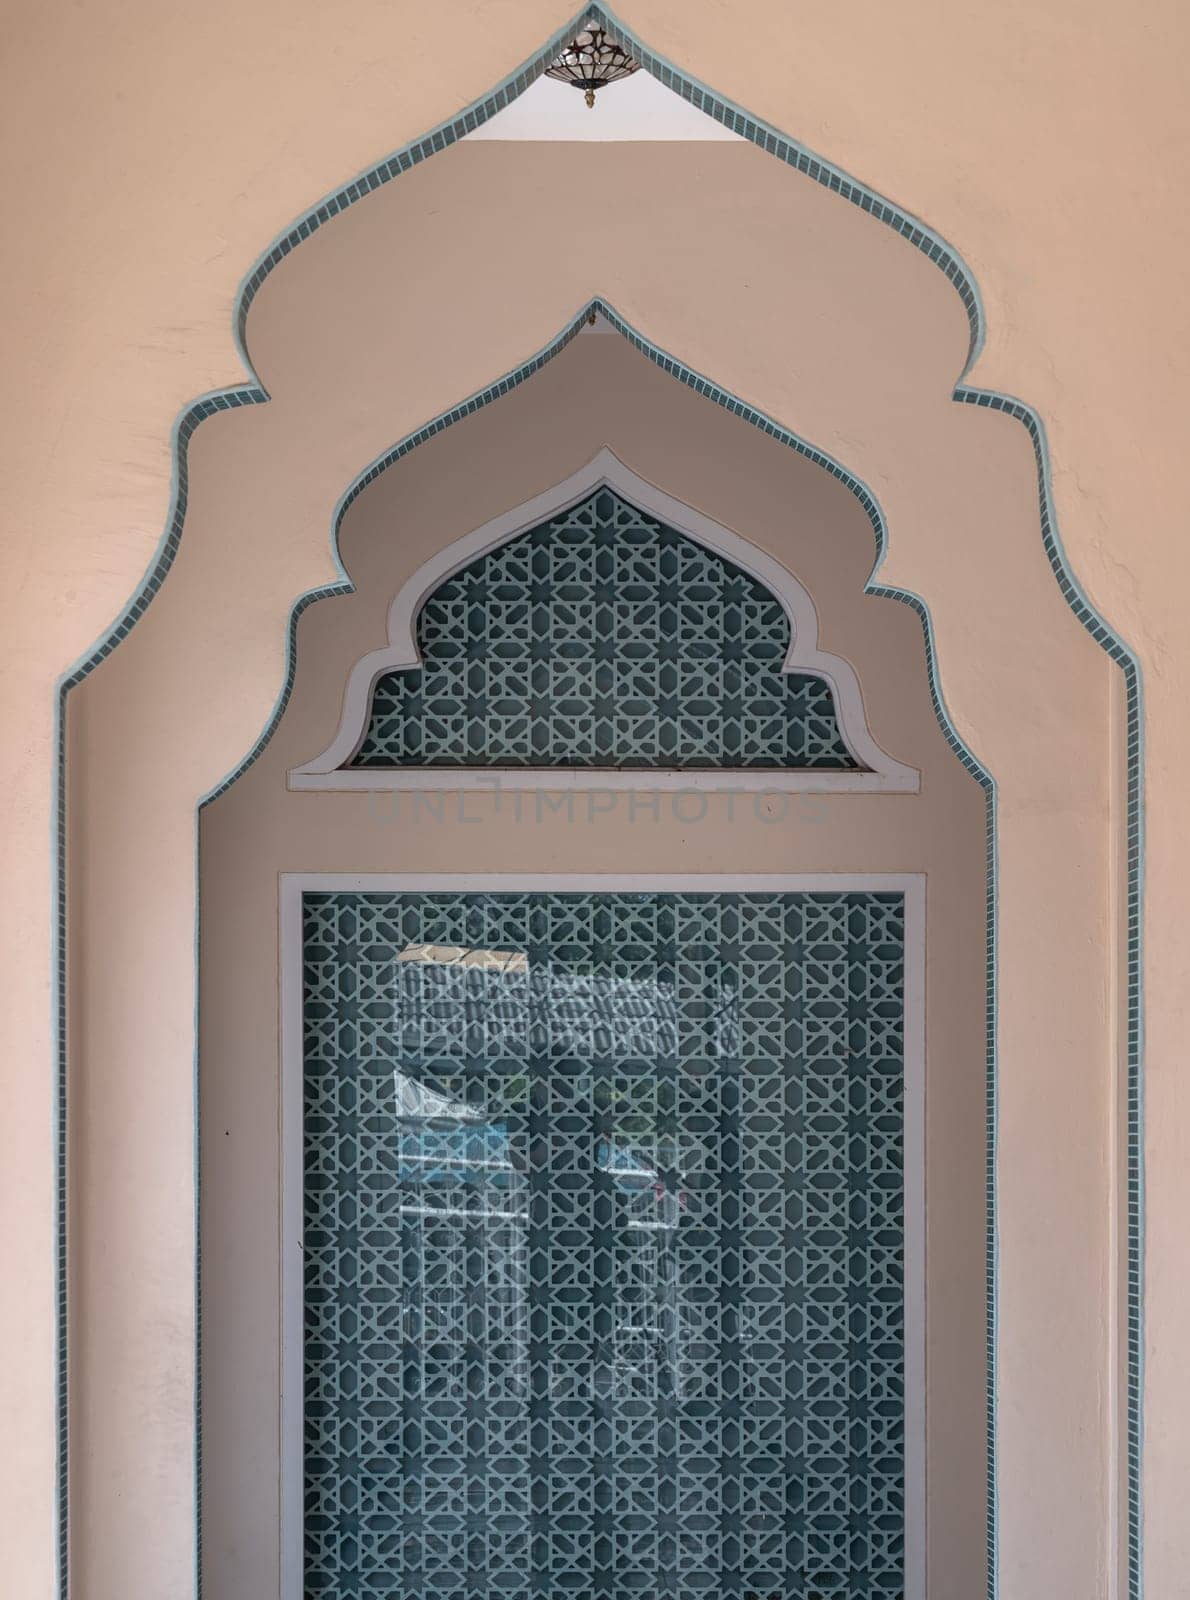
x,y
603,1243
603,638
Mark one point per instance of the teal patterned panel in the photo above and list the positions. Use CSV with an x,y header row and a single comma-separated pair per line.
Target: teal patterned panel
x,y
604,1246
602,638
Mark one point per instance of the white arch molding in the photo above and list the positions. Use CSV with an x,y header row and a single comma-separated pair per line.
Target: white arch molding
x,y
879,772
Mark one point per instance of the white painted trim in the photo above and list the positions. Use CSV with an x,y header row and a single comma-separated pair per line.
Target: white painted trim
x,y
292,888
598,780
331,769
639,108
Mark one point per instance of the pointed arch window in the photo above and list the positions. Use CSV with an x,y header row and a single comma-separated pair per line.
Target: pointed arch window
x,y
618,635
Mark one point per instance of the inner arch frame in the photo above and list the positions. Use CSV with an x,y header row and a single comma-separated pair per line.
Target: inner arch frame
x,y
875,770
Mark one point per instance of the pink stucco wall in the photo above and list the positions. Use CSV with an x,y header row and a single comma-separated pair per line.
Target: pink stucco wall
x,y
149,157
862,357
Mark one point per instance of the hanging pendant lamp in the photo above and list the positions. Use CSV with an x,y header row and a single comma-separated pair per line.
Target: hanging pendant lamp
x,y
590,61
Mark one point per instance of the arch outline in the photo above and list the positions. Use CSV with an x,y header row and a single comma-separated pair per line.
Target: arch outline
x,y
253,392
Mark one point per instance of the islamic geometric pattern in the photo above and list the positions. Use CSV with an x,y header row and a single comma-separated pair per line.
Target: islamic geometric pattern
x,y
602,638
603,1246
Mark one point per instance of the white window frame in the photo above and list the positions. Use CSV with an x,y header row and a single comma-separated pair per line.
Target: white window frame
x,y
293,886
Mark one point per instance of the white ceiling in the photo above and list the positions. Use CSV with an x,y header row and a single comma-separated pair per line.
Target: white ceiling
x,y
637,108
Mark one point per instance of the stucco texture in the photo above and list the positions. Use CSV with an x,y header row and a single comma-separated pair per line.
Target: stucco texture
x,y
150,155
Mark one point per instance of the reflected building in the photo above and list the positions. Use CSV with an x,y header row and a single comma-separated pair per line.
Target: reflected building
x,y
604,1244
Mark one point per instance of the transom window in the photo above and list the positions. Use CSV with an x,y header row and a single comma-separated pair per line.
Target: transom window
x,y
603,639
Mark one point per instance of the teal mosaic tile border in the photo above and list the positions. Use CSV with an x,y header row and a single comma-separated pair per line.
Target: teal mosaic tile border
x,y
1109,641
955,270
439,424
767,138
867,500
158,568
711,391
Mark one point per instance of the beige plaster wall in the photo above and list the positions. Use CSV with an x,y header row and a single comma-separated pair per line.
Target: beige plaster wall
x,y
862,356
150,153
598,391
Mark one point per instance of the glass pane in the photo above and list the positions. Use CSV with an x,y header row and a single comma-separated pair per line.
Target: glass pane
x,y
604,1239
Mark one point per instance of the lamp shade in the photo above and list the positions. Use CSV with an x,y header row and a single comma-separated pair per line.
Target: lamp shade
x,y
590,61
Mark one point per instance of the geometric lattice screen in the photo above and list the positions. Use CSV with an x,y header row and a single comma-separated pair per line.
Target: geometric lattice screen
x,y
604,1246
602,638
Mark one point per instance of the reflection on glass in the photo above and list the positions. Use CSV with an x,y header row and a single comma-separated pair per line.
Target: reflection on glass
x,y
603,1246
459,1163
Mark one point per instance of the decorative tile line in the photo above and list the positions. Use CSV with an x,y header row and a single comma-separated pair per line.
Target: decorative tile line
x,y
61,1422
867,500
1111,642
155,574
254,393
957,273
711,391
344,586
762,134
759,133
439,424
